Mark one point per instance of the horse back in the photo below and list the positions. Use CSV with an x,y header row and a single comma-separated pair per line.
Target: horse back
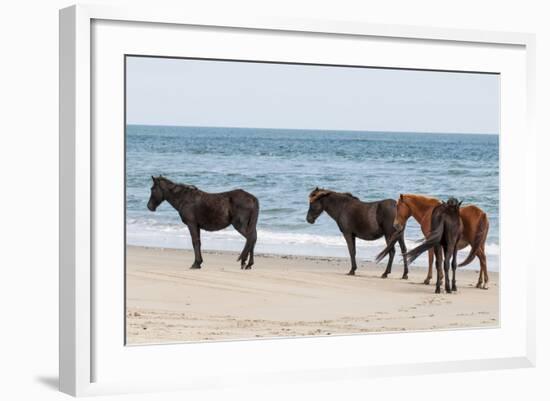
x,y
210,211
385,210
215,211
241,199
370,220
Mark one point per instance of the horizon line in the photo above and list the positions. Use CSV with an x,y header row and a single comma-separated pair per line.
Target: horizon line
x,y
318,129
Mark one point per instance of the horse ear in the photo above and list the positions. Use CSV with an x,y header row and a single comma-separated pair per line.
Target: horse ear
x,y
153,178
400,196
459,203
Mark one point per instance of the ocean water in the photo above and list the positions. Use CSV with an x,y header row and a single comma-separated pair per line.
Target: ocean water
x,y
281,167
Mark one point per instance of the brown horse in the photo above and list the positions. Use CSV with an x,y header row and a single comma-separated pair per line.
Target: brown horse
x,y
475,228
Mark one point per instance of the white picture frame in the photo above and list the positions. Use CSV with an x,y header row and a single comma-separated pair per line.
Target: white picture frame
x,y
93,359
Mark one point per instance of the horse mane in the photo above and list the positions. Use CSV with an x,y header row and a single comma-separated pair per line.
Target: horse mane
x,y
421,197
175,187
319,193
349,194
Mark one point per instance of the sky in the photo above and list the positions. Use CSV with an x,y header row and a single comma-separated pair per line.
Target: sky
x,y
165,91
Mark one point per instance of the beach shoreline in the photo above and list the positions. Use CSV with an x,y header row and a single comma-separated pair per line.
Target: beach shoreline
x,y
288,296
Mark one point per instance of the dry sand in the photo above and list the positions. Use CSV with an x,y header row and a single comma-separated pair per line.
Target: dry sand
x,y
288,296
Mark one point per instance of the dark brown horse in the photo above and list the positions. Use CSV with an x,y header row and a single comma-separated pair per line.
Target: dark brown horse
x,y
444,237
355,219
201,210
474,221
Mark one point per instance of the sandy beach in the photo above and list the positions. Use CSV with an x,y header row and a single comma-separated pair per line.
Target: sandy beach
x,y
288,296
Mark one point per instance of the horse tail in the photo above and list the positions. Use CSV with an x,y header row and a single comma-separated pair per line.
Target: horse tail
x,y
479,239
433,239
251,225
391,243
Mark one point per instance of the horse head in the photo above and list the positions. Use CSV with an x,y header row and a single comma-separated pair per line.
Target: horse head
x,y
402,214
315,204
453,203
157,194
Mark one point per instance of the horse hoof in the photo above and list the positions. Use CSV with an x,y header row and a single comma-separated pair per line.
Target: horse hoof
x,y
448,291
427,281
438,291
405,277
384,275
479,285
351,273
194,266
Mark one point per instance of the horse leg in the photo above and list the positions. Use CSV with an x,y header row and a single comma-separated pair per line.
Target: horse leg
x,y
253,237
446,266
350,240
483,275
438,257
430,266
455,253
390,262
196,241
246,249
250,236
403,252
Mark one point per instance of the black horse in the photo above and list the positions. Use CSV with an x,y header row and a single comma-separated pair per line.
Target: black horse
x,y
210,212
444,237
365,220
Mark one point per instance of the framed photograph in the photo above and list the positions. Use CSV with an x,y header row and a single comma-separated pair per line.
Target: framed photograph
x,y
278,199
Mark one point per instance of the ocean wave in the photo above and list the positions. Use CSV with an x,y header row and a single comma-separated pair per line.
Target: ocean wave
x,y
153,233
